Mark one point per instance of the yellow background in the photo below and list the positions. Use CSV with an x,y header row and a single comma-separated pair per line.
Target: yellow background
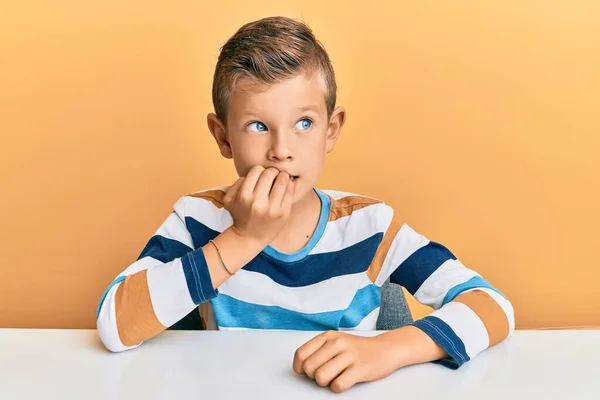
x,y
478,121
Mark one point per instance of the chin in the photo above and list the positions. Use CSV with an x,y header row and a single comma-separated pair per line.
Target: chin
x,y
301,192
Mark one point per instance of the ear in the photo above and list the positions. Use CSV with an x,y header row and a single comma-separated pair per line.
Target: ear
x,y
337,120
217,129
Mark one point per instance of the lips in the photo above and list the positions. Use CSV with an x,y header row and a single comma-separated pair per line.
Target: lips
x,y
292,177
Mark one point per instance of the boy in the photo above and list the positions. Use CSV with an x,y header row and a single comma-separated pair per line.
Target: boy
x,y
273,252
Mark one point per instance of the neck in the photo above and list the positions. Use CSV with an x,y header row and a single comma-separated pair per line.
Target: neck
x,y
300,225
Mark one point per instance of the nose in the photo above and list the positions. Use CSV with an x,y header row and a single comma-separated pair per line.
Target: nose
x,y
279,149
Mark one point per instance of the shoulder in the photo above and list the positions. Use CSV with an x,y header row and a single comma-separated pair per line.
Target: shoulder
x,y
206,207
346,204
213,196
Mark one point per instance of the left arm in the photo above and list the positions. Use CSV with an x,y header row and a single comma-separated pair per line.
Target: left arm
x,y
470,315
342,360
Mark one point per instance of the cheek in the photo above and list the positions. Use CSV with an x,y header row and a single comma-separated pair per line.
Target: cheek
x,y
245,157
317,154
243,166
241,169
241,162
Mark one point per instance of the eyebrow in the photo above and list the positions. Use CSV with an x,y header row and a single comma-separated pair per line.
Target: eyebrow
x,y
309,108
252,115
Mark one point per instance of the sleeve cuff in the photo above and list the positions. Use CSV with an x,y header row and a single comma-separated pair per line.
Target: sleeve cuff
x,y
444,336
197,276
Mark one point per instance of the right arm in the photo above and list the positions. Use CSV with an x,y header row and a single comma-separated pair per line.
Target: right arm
x,y
170,278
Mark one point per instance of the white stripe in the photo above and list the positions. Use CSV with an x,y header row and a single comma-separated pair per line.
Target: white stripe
x,y
106,323
369,323
352,229
406,242
447,276
169,293
329,295
174,228
139,265
205,212
466,325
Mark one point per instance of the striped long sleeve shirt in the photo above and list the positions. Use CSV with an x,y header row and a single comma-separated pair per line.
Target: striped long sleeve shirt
x,y
333,283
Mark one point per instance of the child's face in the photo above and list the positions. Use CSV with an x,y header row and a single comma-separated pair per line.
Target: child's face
x,y
284,125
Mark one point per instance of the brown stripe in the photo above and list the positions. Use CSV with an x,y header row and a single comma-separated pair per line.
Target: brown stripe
x,y
382,250
136,320
347,205
214,196
489,312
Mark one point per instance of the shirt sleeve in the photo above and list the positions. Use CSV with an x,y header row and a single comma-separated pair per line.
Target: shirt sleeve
x,y
169,279
470,314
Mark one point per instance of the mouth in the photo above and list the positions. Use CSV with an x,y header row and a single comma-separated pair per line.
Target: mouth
x,y
292,177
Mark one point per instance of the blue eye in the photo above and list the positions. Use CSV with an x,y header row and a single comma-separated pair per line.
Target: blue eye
x,y
257,127
304,124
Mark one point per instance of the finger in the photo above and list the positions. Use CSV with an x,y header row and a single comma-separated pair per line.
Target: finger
x,y
333,368
247,189
265,182
307,349
320,357
279,189
288,197
347,379
233,190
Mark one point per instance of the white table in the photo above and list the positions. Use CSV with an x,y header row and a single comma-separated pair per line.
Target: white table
x,y
72,364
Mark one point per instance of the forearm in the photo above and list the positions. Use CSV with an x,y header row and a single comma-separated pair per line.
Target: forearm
x,y
236,252
410,345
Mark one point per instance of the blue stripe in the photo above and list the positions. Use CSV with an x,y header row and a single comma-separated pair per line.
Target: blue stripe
x,y
420,265
164,249
447,362
366,300
233,313
318,267
201,233
321,225
308,271
197,277
116,281
444,336
473,283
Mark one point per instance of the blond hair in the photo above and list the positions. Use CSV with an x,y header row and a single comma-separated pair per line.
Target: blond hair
x,y
268,51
